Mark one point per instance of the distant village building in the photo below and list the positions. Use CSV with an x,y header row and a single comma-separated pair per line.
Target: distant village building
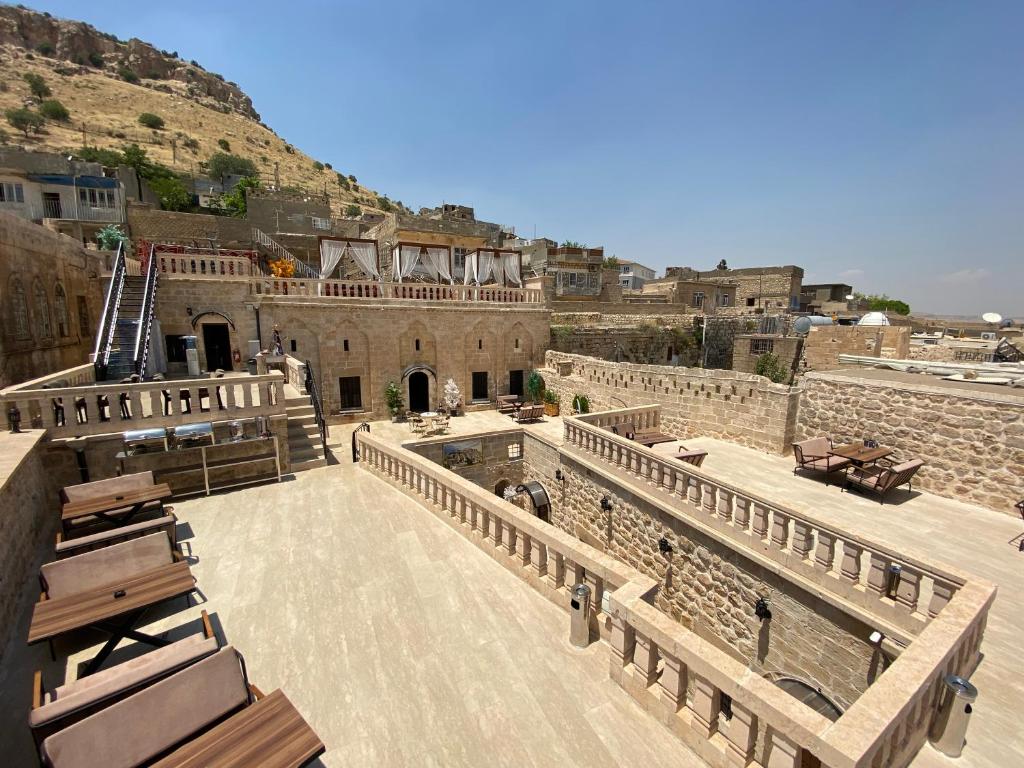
x,y
633,275
757,288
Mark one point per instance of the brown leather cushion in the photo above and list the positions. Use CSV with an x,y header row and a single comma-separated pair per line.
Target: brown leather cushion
x,y
111,486
135,730
815,447
106,566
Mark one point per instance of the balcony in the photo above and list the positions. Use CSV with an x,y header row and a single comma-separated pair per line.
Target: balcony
x,y
63,211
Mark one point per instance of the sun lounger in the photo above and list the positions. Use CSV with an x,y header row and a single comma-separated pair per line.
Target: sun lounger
x,y
813,455
56,709
881,480
206,714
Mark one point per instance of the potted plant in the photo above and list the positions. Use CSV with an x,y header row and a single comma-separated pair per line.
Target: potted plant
x,y
393,400
552,403
535,386
452,397
580,404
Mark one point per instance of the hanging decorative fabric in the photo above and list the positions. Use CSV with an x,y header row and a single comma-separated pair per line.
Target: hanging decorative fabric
x,y
470,269
365,257
406,260
437,262
484,266
510,260
331,252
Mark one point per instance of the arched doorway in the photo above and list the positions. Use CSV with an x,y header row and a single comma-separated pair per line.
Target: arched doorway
x,y
419,392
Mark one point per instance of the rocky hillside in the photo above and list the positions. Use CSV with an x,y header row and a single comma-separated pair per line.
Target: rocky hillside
x,y
106,83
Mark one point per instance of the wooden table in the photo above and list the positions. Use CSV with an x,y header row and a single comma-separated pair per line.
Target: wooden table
x,y
270,734
98,608
860,454
130,502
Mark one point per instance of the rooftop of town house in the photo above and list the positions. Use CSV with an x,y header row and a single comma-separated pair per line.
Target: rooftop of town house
x,y
424,637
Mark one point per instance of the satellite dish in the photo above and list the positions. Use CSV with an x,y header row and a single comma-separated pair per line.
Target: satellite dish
x,y
992,317
851,297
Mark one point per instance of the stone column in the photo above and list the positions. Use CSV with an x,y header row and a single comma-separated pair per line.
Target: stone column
x,y
673,686
909,589
645,659
780,529
782,753
705,706
741,513
850,569
539,558
725,504
801,539
878,574
824,553
709,498
759,522
942,593
741,735
622,643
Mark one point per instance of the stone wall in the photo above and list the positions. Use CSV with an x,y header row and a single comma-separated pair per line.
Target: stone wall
x,y
825,343
148,223
769,287
496,467
596,319
51,300
740,407
652,344
707,586
972,442
748,349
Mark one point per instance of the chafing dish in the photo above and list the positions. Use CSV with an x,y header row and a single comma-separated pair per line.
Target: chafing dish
x,y
145,441
194,435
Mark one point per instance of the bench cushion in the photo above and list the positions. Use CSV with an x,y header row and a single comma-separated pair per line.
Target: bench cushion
x,y
106,566
816,447
166,523
112,485
137,729
88,691
90,524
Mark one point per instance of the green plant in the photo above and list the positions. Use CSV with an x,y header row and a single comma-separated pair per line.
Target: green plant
x,y
52,109
581,403
573,244
393,398
45,49
235,203
610,262
884,304
220,165
110,237
37,86
328,166
317,165
289,149
24,120
224,144
150,120
127,75
95,58
173,194
191,144
383,203
353,210
551,397
535,386
343,182
769,366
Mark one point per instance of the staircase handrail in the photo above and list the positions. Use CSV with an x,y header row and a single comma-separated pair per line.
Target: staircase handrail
x,y
364,427
142,333
105,332
318,408
261,237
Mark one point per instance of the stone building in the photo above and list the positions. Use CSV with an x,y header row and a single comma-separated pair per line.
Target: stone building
x,y
632,275
756,287
577,271
72,197
51,294
697,295
296,219
748,348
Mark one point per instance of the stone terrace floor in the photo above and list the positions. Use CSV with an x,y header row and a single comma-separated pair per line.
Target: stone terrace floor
x,y
400,641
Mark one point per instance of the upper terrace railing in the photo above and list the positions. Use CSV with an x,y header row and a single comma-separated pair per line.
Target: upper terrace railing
x,y
77,411
889,722
204,265
365,289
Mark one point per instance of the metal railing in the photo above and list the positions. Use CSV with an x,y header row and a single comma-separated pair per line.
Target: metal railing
x,y
318,407
364,427
105,332
262,238
145,327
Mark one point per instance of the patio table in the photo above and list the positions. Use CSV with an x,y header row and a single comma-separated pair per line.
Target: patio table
x,y
113,609
859,454
117,508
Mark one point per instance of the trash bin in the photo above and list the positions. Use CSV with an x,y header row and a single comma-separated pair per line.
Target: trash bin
x,y
579,616
251,365
949,730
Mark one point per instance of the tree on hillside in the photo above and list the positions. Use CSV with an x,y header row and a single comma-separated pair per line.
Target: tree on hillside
x,y
150,120
52,109
24,120
220,165
37,86
234,203
610,262
172,193
353,210
884,304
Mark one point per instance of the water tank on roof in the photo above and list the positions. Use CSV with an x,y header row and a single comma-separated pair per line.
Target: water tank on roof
x,y
874,318
802,325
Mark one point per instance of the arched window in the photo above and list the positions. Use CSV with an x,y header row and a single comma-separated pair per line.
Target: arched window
x,y
60,309
19,309
42,308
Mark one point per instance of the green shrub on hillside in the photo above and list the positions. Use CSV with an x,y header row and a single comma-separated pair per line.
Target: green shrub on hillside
x,y
127,75
353,210
45,49
221,164
150,120
95,58
37,86
224,144
771,367
24,120
52,109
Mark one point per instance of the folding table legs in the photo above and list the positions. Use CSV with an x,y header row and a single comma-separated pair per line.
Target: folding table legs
x,y
118,631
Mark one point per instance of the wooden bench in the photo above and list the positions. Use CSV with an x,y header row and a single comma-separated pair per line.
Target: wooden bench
x,y
507,404
530,413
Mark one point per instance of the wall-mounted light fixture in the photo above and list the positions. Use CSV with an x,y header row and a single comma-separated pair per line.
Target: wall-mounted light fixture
x,y
761,609
664,546
606,504
876,638
559,475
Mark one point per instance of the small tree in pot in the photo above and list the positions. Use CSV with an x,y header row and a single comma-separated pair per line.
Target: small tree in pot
x,y
452,397
552,403
535,386
393,400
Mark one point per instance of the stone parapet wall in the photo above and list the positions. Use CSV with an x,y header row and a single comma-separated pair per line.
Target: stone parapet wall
x,y
741,407
825,343
635,344
616,320
972,442
154,225
495,466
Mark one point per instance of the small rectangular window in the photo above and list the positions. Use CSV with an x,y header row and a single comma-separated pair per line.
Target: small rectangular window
x,y
351,393
750,302
762,346
515,451
480,385
294,346
345,345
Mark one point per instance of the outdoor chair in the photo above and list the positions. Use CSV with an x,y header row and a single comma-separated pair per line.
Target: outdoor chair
x,y
68,547
507,404
646,437
204,714
813,455
881,480
56,709
416,424
529,413
691,457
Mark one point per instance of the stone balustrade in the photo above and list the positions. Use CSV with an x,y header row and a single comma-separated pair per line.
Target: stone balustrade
x,y
204,265
77,411
941,612
295,372
364,289
70,377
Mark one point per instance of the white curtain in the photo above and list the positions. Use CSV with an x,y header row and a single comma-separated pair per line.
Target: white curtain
x,y
330,256
437,264
479,267
406,260
511,264
470,269
365,257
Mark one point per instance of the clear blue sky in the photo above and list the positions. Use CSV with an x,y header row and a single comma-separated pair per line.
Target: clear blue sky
x,y
875,143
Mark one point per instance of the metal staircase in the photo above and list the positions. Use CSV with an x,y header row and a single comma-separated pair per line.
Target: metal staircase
x,y
273,249
123,339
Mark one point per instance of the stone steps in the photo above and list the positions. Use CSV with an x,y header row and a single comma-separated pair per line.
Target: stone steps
x,y
304,447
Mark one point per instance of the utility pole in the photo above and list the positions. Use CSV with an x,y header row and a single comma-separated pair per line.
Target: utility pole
x,y
174,152
85,143
277,175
